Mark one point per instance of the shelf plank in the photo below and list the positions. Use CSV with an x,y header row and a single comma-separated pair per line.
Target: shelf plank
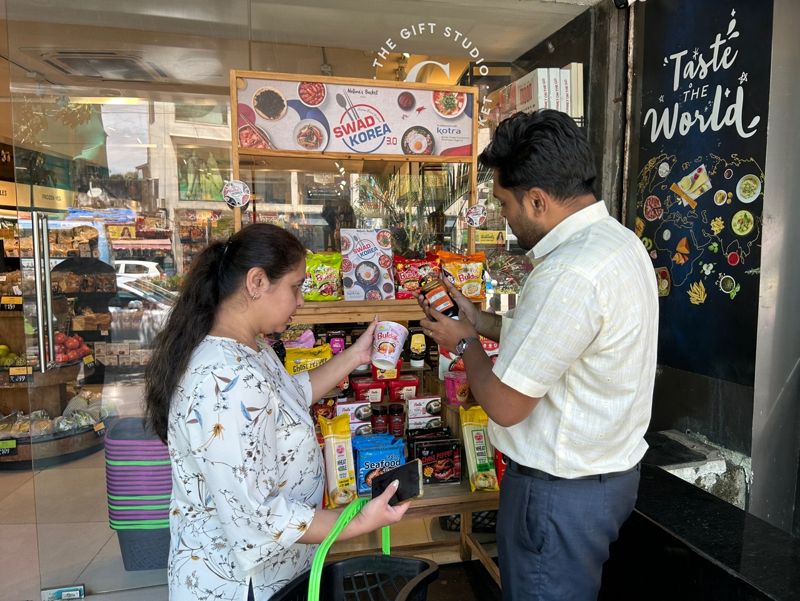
x,y
359,311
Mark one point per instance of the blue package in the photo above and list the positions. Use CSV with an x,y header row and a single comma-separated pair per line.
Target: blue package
x,y
376,458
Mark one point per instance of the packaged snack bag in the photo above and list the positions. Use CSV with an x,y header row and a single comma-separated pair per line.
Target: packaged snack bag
x,y
303,359
374,455
340,476
323,277
412,274
478,449
465,272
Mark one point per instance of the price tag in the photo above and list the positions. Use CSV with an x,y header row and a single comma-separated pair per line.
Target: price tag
x,y
20,375
104,332
99,428
88,361
11,303
8,447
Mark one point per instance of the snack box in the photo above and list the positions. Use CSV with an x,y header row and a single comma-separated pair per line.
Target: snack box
x,y
441,460
367,264
367,389
360,428
425,423
423,406
403,388
359,411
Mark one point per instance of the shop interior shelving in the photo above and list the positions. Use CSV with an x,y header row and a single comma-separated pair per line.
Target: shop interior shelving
x,y
244,159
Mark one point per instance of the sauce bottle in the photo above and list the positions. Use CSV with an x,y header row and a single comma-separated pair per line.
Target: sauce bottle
x,y
435,292
417,350
380,420
397,420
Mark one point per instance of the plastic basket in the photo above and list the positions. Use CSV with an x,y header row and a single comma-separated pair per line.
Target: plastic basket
x,y
364,577
482,521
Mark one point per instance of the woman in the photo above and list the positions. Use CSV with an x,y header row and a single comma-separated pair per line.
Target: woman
x,y
247,470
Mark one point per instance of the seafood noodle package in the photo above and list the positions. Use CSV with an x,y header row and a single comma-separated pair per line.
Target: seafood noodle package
x,y
465,272
340,475
478,449
323,277
299,360
412,274
376,454
367,264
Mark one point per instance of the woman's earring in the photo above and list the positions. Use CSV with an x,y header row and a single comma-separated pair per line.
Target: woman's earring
x,y
254,296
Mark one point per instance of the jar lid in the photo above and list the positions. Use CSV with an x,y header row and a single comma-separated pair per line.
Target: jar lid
x,y
395,409
378,409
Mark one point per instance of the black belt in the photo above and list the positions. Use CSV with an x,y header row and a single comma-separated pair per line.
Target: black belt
x,y
539,474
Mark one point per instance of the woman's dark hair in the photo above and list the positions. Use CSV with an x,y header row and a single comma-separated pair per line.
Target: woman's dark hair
x,y
543,149
216,274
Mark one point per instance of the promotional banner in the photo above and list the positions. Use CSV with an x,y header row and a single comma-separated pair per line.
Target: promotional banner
x,y
701,184
347,118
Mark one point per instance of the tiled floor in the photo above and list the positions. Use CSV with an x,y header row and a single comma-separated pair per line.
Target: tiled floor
x,y
54,531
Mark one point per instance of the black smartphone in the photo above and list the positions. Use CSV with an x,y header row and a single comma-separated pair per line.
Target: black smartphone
x,y
410,477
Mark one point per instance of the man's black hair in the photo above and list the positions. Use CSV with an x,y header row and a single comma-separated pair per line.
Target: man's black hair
x,y
543,149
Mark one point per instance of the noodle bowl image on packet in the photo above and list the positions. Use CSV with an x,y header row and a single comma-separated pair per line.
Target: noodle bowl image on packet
x,y
387,344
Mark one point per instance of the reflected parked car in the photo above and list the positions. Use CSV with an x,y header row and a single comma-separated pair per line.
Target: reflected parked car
x,y
139,309
128,270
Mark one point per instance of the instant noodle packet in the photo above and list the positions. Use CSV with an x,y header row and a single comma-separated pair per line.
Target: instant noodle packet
x,y
323,277
299,360
478,449
340,475
411,274
465,272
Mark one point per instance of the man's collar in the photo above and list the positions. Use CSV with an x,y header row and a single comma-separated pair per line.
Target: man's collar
x,y
567,228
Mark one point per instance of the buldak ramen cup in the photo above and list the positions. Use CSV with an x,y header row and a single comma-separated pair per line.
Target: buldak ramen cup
x,y
387,344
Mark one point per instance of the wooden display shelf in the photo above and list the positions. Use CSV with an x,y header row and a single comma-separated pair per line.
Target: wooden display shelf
x,y
359,311
448,499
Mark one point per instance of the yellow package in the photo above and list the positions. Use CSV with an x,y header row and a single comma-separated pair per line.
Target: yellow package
x,y
303,359
479,451
465,272
340,473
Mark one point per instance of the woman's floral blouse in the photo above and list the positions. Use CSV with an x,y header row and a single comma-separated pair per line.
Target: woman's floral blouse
x,y
247,474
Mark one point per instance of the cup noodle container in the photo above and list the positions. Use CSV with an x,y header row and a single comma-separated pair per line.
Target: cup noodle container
x,y
387,344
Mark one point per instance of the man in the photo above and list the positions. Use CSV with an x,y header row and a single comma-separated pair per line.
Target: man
x,y
570,396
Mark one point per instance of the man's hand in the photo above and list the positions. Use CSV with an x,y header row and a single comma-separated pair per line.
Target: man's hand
x,y
466,308
447,332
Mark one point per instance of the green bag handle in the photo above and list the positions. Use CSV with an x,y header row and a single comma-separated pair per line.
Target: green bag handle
x,y
350,512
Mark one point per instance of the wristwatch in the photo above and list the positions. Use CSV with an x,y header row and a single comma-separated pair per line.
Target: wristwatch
x,y
462,345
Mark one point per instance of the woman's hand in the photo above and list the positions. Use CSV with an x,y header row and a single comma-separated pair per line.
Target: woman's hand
x,y
378,513
362,348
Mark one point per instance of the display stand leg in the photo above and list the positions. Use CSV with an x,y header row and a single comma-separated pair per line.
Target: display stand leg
x,y
466,531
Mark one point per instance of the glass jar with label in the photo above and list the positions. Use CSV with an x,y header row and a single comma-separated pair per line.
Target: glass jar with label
x,y
397,421
380,419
